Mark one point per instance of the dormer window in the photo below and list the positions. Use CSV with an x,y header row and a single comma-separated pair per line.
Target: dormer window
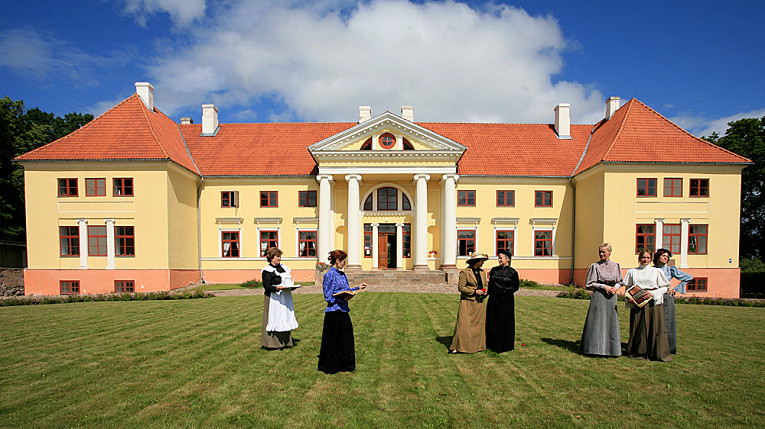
x,y
387,141
387,199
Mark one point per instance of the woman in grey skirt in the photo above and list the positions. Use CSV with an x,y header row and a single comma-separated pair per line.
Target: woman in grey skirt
x,y
660,260
601,336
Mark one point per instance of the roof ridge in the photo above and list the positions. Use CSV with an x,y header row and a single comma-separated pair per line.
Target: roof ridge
x,y
151,128
628,105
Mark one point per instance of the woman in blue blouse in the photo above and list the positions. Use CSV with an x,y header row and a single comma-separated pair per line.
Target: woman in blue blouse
x,y
660,259
337,348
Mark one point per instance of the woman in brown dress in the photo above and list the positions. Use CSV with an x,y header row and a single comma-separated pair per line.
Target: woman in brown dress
x,y
469,332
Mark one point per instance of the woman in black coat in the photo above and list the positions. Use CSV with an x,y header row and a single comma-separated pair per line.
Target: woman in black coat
x,y
500,309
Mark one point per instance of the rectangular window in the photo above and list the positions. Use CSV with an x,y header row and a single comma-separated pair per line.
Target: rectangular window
x,y
465,198
671,238
69,287
124,237
268,239
542,198
121,286
673,187
505,240
697,239
406,240
69,237
123,187
229,199
307,243
505,198
307,199
269,199
367,240
95,187
466,241
645,237
230,244
699,188
646,187
97,240
698,284
542,243
67,187
387,199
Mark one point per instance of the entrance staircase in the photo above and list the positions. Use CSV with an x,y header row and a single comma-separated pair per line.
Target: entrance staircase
x,y
398,278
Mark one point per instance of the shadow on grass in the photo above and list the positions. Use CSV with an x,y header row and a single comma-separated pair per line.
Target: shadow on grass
x,y
572,346
446,341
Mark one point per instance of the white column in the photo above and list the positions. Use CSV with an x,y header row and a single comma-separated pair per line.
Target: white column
x,y
354,218
111,245
324,232
83,224
420,245
399,246
659,234
449,221
375,252
684,224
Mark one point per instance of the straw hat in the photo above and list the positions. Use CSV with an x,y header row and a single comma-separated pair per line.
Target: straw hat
x,y
477,256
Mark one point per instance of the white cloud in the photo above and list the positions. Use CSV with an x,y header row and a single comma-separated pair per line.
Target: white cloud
x,y
701,127
323,60
182,12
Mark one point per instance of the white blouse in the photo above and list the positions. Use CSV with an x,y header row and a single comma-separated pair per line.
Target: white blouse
x,y
649,278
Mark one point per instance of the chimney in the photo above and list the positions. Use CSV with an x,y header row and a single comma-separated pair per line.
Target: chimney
x,y
209,119
186,120
146,92
365,113
563,121
407,112
612,105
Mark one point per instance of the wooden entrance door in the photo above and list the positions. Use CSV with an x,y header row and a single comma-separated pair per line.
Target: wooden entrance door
x,y
382,250
386,246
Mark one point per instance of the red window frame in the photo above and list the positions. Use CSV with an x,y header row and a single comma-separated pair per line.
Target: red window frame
x,y
673,187
229,199
646,187
406,240
505,198
387,199
671,237
69,287
307,243
543,198
69,238
124,240
699,188
122,187
507,242
67,187
387,141
95,187
368,240
465,242
367,144
698,284
124,286
645,237
698,239
232,238
97,240
270,240
466,198
307,199
542,242
269,198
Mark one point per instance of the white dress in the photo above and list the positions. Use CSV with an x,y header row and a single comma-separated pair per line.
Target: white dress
x,y
281,313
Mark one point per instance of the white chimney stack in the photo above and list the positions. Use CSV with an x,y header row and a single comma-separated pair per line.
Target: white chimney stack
x,y
209,119
186,120
612,105
365,113
146,92
563,121
407,112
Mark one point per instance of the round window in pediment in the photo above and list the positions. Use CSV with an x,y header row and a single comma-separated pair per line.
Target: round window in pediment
x,y
387,141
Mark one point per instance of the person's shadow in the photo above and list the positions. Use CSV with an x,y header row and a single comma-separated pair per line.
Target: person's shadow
x,y
446,341
572,346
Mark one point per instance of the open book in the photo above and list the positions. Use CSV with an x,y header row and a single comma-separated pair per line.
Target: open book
x,y
345,294
639,295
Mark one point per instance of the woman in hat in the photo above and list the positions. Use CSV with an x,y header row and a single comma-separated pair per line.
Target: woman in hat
x,y
500,309
469,332
601,335
660,260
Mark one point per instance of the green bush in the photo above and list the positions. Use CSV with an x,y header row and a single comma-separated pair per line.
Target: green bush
x,y
251,284
574,292
752,277
150,296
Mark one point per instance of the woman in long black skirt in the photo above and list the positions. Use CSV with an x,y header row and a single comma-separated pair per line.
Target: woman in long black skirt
x,y
337,348
500,310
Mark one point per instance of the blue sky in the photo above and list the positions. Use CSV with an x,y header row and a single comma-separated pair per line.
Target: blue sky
x,y
698,63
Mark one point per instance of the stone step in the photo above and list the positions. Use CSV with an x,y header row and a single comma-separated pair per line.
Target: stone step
x,y
398,278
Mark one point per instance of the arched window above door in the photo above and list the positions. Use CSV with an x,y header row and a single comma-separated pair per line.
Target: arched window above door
x,y
387,199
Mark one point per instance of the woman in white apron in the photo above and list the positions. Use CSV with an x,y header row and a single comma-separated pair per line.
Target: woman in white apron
x,y
278,312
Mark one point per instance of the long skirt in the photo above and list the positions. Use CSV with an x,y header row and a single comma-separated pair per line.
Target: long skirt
x,y
273,340
470,330
669,322
500,323
648,340
601,335
337,348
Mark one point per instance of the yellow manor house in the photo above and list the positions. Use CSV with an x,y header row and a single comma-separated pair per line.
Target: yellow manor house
x,y
134,201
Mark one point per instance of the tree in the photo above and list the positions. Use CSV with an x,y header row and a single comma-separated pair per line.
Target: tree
x,y
22,130
746,137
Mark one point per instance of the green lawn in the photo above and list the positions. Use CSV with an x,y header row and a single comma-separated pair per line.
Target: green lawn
x,y
197,363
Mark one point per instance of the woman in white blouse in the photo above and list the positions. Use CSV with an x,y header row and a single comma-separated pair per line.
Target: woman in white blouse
x,y
648,339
